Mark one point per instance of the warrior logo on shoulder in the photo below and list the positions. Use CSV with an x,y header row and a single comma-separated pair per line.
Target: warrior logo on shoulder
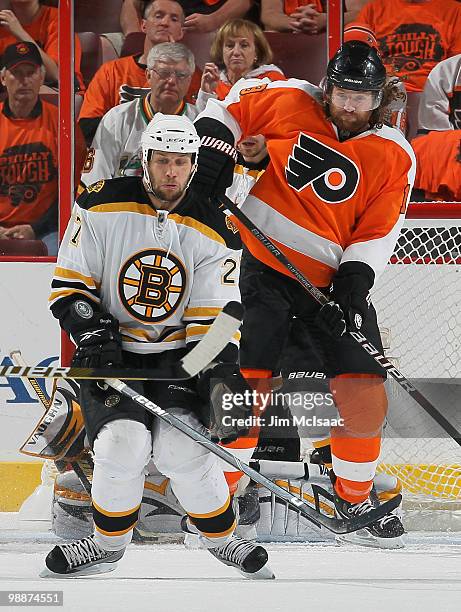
x,y
151,284
333,177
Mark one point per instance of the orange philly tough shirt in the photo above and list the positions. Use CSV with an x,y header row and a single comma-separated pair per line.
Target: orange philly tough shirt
x,y
322,201
414,37
122,80
28,164
44,31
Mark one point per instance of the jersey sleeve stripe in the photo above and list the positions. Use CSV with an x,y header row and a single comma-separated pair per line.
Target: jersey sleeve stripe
x,y
200,312
68,274
58,295
289,233
116,207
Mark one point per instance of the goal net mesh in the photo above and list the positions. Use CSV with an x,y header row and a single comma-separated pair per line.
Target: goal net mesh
x,y
418,301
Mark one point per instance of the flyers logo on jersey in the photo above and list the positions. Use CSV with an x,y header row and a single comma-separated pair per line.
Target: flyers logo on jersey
x,y
333,177
254,89
151,285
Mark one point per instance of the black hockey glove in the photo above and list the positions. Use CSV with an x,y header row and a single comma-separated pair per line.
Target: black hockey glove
x,y
223,386
216,158
350,299
97,336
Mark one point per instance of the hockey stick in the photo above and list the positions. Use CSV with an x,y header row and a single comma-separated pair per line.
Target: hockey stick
x,y
221,331
16,358
335,525
366,345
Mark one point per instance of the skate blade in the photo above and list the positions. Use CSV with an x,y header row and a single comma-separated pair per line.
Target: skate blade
x,y
361,538
99,568
265,573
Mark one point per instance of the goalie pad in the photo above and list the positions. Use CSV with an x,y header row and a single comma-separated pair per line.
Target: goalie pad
x,y
279,523
60,432
72,517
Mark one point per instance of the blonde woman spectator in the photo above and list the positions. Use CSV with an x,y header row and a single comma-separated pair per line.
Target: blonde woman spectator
x,y
239,50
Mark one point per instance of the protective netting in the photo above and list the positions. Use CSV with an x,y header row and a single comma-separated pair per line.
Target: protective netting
x,y
418,300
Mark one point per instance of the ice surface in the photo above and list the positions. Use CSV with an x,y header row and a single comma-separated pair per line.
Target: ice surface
x,y
426,575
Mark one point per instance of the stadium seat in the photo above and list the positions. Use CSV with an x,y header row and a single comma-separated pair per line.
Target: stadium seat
x,y
200,45
97,16
412,113
299,55
22,247
91,54
133,44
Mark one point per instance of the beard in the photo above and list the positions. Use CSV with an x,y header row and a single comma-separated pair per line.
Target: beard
x,y
350,122
168,195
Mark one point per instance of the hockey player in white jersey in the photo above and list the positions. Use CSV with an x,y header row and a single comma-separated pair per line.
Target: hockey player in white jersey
x,y
143,269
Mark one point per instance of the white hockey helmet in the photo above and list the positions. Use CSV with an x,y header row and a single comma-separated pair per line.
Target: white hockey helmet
x,y
170,134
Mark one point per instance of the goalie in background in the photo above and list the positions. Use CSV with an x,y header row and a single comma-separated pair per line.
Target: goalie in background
x,y
144,268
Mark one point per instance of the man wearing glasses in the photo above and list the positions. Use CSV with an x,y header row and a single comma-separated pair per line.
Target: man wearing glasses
x,y
116,147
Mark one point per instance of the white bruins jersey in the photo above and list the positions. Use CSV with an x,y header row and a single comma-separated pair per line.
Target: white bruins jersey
x,y
116,147
244,179
164,276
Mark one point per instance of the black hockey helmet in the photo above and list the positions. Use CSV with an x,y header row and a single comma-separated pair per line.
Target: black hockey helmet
x,y
356,66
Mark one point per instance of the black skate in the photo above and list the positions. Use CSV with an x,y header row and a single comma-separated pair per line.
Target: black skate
x,y
384,533
249,558
247,512
81,558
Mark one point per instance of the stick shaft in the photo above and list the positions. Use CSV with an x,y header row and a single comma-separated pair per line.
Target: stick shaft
x,y
332,524
366,345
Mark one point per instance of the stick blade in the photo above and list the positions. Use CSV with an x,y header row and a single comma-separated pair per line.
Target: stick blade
x,y
217,337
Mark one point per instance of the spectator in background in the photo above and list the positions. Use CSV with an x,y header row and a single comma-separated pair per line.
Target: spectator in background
x,y
29,21
414,35
29,150
116,148
124,79
307,16
438,149
440,103
206,16
239,50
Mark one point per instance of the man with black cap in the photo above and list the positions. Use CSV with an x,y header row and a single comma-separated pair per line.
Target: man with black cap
x,y
28,150
333,200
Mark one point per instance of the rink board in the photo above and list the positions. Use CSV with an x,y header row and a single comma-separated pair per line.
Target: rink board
x,y
27,325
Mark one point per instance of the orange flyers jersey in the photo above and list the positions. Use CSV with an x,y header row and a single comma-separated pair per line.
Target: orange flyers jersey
x,y
413,37
122,80
322,201
439,164
291,5
28,164
44,31
266,71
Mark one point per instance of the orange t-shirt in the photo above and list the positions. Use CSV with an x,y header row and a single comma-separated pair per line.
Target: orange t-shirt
x,y
122,80
438,156
414,37
44,31
28,164
291,5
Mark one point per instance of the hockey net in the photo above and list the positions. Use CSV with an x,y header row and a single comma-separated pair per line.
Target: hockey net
x,y
418,302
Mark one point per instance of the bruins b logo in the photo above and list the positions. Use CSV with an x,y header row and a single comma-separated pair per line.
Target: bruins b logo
x,y
151,285
333,177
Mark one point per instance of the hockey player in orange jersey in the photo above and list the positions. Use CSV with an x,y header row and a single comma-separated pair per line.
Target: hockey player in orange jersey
x,y
333,200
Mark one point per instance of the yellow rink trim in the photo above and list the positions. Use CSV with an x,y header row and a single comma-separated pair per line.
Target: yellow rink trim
x,y
18,480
